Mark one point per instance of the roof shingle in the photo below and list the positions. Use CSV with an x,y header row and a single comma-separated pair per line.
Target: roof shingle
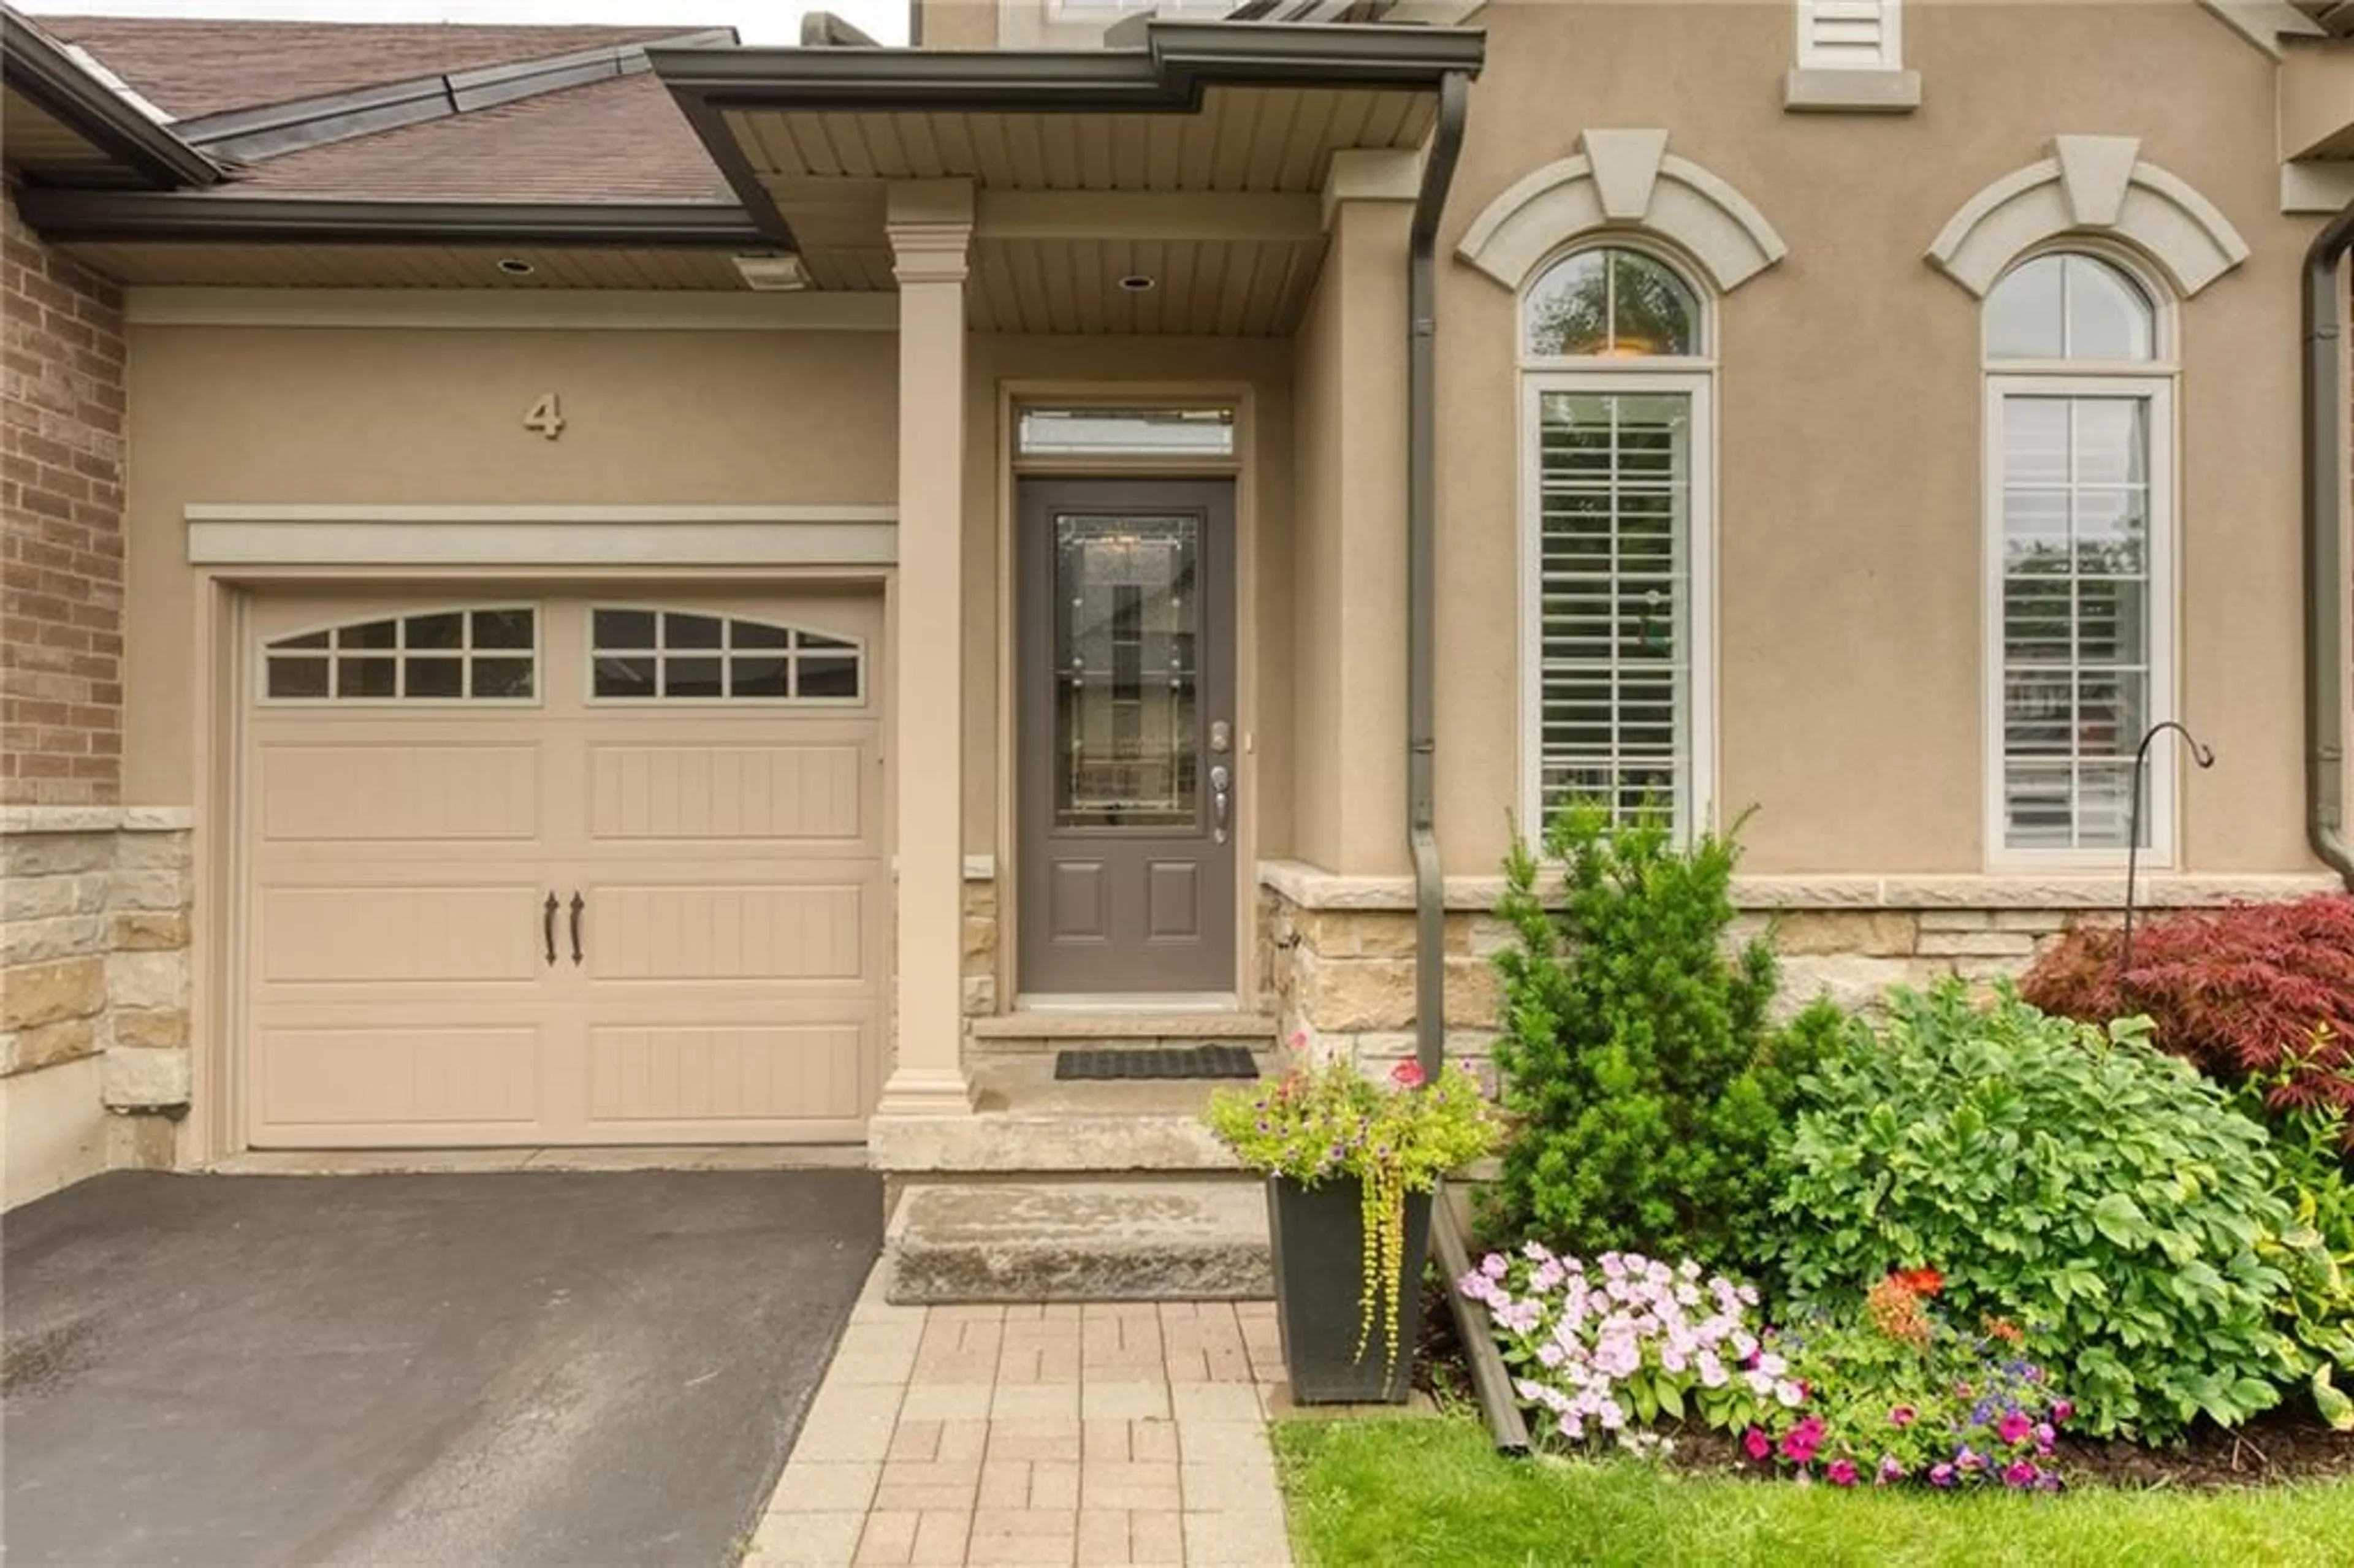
x,y
619,140
190,68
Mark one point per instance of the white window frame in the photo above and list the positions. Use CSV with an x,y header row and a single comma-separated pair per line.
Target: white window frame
x,y
1813,57
1690,375
2153,380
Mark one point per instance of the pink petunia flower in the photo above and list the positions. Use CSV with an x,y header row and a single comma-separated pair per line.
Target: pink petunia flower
x,y
1903,1415
1756,1444
1840,1473
2014,1428
2020,1474
1892,1468
1941,1475
2060,1411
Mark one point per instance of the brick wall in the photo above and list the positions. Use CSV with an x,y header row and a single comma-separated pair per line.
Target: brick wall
x,y
61,407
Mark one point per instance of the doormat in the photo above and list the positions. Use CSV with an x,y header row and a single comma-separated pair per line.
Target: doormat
x,y
1158,1061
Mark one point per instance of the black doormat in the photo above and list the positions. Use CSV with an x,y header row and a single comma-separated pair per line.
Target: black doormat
x,y
1158,1061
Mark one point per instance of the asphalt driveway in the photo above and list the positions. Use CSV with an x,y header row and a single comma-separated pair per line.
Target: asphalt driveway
x,y
561,1367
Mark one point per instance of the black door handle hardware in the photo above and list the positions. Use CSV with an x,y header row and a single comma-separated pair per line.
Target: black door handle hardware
x,y
578,903
547,926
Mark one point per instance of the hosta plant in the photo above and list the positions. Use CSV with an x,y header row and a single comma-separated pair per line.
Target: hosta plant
x,y
2066,1177
1895,1394
1605,1349
1317,1122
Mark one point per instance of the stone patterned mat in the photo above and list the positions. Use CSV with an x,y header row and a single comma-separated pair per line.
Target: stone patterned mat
x,y
1156,1062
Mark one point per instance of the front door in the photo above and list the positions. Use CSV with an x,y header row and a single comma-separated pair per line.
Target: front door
x,y
1128,764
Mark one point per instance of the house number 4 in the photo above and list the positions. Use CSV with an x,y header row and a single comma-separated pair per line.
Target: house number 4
x,y
546,416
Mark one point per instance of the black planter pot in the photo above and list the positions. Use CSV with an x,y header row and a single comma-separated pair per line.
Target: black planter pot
x,y
1319,1249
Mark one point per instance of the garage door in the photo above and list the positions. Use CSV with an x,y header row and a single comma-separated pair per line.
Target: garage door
x,y
527,870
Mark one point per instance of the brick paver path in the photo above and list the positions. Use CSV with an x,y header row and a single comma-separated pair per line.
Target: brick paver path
x,y
1104,1434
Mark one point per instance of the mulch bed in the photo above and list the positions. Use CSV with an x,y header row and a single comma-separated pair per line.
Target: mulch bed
x,y
2279,1446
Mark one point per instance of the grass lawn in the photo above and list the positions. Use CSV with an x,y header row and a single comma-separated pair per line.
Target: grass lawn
x,y
1433,1491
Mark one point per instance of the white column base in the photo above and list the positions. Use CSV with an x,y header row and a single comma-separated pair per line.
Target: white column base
x,y
925,1092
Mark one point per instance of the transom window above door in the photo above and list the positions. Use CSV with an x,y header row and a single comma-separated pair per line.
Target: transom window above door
x,y
489,654
655,655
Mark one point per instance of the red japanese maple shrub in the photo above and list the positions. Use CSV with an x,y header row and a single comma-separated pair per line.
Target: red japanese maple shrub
x,y
2252,990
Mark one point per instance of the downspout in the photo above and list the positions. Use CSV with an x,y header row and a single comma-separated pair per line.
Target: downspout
x,y
1489,1382
2324,559
1421,576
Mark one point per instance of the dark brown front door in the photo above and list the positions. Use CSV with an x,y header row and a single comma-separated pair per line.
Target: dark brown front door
x,y
1126,723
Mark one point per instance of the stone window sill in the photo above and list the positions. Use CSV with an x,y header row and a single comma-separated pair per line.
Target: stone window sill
x,y
1852,92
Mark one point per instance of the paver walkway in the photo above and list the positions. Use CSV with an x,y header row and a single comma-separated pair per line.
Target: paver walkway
x,y
1110,1434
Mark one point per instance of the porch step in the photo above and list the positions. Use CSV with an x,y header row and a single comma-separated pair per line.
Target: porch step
x,y
1035,1033
1028,1122
1115,1240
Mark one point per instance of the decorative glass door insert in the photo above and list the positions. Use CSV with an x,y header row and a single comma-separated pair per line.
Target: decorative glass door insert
x,y
1127,632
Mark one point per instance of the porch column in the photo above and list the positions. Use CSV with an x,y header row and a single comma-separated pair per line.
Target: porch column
x,y
931,225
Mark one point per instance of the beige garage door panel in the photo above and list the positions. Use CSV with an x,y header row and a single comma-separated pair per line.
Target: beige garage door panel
x,y
728,860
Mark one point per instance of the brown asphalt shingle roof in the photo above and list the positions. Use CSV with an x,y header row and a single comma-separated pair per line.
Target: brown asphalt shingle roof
x,y
190,68
620,140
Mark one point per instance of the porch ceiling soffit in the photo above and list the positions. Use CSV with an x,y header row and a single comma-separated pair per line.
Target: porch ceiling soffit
x,y
1625,180
1196,160
2091,185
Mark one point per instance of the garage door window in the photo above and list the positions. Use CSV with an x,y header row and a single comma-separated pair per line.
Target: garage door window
x,y
487,654
657,655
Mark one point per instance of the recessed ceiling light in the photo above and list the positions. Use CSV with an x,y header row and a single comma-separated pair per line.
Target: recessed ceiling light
x,y
1138,284
516,267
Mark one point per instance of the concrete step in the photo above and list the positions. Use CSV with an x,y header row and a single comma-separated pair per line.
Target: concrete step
x,y
1115,1240
1044,1033
1028,1121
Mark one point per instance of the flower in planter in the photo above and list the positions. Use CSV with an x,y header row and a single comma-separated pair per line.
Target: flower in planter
x,y
1322,1122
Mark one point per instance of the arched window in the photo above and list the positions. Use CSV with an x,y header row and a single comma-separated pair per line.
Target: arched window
x,y
1617,612
2080,557
1608,302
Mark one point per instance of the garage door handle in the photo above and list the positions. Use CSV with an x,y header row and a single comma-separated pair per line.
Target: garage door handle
x,y
547,926
578,903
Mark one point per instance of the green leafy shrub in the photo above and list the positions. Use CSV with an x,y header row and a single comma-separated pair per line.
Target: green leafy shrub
x,y
2071,1178
2316,1252
1647,1086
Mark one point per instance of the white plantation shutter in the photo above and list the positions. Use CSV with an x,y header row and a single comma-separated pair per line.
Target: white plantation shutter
x,y
1850,35
1615,598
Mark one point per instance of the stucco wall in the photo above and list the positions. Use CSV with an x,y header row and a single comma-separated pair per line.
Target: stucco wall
x,y
383,417
1849,416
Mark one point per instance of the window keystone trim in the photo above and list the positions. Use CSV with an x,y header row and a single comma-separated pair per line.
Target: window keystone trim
x,y
2091,185
1626,180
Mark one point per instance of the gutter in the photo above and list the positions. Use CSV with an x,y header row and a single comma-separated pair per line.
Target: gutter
x,y
1489,1382
183,217
1169,73
56,81
2325,556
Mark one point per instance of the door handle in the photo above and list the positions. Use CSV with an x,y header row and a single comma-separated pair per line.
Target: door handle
x,y
1220,797
578,903
547,926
